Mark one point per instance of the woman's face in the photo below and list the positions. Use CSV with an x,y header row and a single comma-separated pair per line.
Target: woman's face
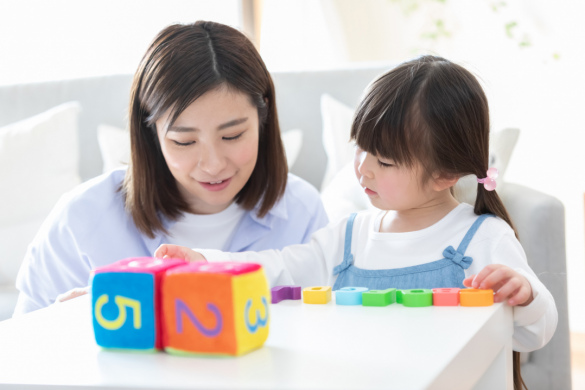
x,y
212,148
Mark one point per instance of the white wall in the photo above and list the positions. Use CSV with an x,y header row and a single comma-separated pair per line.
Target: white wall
x,y
56,39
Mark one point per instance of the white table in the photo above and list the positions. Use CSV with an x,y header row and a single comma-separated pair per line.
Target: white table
x,y
310,346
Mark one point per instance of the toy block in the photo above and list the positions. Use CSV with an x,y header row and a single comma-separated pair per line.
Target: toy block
x,y
317,295
417,298
399,296
349,295
446,296
126,303
215,309
379,297
280,293
476,297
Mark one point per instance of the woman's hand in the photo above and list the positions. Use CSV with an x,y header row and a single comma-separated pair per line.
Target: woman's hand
x,y
506,283
168,251
73,293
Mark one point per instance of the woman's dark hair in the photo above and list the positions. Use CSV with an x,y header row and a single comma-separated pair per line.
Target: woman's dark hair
x,y
181,64
433,112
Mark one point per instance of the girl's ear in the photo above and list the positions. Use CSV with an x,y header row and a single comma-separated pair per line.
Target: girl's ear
x,y
442,182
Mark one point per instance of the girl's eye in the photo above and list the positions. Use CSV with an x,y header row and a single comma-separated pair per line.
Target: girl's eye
x,y
384,165
235,137
183,143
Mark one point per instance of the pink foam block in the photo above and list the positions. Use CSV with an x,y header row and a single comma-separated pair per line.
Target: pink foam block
x,y
141,265
446,297
280,293
229,268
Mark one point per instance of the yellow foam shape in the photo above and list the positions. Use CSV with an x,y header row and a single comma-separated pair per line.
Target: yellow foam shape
x,y
317,295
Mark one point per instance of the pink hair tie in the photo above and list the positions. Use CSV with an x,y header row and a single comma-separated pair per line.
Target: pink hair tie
x,y
489,182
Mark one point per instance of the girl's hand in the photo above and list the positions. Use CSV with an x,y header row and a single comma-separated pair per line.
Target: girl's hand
x,y
167,251
506,283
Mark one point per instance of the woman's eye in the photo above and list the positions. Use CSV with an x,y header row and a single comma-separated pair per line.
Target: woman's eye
x,y
384,165
183,143
234,137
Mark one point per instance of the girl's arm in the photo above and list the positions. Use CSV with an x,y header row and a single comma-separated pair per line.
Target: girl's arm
x,y
505,270
309,264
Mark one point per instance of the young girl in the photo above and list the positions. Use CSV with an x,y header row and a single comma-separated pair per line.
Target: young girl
x,y
420,127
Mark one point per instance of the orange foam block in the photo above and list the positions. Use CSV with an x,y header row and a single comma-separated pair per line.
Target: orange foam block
x,y
446,296
476,297
215,309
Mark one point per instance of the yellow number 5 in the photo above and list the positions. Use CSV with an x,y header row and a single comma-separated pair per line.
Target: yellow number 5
x,y
122,303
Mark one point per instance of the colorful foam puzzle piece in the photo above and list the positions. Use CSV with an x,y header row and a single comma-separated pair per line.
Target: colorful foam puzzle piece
x,y
379,297
476,297
317,295
417,298
349,295
280,293
446,296
126,303
215,309
399,296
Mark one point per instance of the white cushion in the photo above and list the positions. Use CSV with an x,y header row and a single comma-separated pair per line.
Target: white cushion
x,y
115,146
341,192
292,140
39,159
336,118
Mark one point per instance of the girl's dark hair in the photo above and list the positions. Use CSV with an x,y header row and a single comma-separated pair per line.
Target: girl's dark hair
x,y
433,112
181,64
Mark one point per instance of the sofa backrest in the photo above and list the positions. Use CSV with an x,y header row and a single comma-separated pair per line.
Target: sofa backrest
x,y
104,100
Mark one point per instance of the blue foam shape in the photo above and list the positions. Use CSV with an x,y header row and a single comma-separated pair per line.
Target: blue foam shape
x,y
349,295
130,286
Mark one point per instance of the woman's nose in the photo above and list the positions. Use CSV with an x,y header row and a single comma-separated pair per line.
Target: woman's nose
x,y
211,161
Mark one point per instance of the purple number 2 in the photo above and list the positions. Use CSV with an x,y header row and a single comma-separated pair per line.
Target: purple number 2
x,y
181,307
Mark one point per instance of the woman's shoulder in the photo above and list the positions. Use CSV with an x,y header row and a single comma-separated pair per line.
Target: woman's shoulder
x,y
99,191
90,201
301,192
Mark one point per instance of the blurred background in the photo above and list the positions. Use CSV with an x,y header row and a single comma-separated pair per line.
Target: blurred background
x,y
527,53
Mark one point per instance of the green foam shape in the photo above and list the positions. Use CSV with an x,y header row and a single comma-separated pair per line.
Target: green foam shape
x,y
379,297
399,296
417,298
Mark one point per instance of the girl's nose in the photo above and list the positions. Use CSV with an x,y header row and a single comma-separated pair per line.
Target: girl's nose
x,y
364,160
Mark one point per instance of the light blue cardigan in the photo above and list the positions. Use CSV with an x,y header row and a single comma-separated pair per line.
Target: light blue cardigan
x,y
89,228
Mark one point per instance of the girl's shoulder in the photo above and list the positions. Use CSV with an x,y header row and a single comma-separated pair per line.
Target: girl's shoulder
x,y
491,226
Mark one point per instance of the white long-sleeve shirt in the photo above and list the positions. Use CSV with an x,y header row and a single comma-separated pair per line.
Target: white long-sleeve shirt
x,y
312,264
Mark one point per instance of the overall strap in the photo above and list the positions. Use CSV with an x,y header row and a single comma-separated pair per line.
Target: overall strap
x,y
347,256
457,256
471,232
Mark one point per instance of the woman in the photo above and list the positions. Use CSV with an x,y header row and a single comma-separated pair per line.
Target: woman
x,y
208,169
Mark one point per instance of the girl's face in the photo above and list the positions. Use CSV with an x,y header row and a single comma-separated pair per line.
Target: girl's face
x,y
212,148
391,187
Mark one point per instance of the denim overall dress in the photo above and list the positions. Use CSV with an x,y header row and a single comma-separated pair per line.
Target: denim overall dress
x,y
447,272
